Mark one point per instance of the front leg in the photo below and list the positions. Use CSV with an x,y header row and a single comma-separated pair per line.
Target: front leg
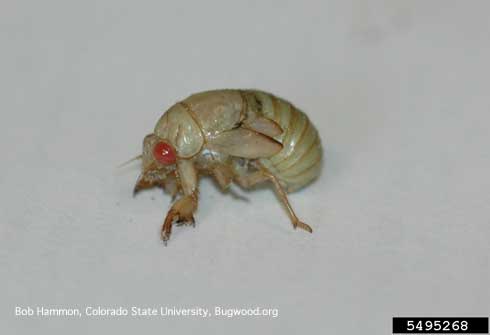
x,y
183,209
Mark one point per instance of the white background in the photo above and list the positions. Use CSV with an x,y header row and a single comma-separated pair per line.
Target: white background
x,y
399,91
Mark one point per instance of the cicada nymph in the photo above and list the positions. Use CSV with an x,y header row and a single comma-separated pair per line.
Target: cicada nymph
x,y
245,137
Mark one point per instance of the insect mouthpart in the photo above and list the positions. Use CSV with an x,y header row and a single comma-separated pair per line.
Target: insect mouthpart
x,y
149,178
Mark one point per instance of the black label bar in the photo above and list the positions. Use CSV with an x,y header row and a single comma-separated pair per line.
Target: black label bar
x,y
440,325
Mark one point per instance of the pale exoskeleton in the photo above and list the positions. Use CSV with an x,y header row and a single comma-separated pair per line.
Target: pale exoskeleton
x,y
242,136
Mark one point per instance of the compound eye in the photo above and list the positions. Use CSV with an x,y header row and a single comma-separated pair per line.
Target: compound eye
x,y
164,153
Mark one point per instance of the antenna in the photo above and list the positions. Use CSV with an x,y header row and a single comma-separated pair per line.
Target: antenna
x,y
129,161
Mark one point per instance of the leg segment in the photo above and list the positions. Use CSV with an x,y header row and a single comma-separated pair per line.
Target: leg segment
x,y
223,175
249,180
183,209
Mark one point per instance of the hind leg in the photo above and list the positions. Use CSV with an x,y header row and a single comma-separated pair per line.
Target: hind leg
x,y
257,177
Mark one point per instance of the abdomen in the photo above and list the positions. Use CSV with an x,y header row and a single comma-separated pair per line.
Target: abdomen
x,y
300,160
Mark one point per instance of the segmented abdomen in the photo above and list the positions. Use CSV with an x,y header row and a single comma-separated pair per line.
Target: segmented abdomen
x,y
299,162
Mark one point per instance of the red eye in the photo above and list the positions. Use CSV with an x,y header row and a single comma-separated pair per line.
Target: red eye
x,y
164,153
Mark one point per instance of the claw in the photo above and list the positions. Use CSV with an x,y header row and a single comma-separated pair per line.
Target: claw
x,y
186,221
182,213
167,226
303,226
165,237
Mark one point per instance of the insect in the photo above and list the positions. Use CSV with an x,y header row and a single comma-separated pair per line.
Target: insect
x,y
245,137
